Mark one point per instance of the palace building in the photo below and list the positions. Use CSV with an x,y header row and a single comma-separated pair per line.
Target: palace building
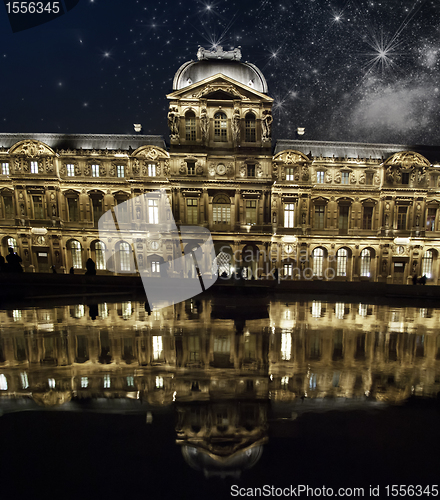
x,y
311,210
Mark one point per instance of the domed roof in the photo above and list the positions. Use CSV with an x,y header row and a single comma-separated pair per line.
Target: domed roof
x,y
216,61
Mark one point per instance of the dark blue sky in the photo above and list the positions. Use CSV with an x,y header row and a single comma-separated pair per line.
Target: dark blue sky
x,y
350,70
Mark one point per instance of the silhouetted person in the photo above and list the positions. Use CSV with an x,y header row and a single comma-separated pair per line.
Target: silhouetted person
x,y
275,274
54,269
14,261
2,263
423,280
72,271
91,267
414,279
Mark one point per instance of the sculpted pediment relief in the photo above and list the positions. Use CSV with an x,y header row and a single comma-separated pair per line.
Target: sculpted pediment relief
x,y
407,160
152,153
291,157
220,91
31,149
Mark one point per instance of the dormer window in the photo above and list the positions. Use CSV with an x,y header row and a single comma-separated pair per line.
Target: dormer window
x,y
250,170
220,127
345,178
152,170
34,167
190,126
191,167
320,177
95,170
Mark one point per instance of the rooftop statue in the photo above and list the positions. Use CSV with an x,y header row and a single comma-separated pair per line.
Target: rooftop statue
x,y
219,53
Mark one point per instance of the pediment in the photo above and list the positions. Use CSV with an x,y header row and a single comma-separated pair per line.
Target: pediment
x,y
150,152
32,149
407,160
291,157
219,87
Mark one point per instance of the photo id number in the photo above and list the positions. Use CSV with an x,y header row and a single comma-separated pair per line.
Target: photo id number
x,y
411,491
33,7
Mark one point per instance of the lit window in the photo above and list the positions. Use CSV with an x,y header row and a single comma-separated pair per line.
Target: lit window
x,y
313,381
288,268
51,382
16,314
84,382
95,170
318,261
100,255
75,249
220,127
341,262
124,255
107,382
34,167
159,382
78,311
286,346
126,310
290,172
5,168
251,211
363,309
130,381
155,267
153,212
103,310
190,126
157,347
320,177
192,210
289,211
3,383
120,170
221,210
24,380
191,167
284,382
152,170
340,310
70,170
316,308
345,179
427,264
12,243
365,262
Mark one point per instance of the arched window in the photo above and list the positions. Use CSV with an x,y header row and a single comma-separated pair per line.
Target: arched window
x,y
341,262
318,261
221,210
124,256
220,127
427,264
249,124
100,255
75,250
12,243
190,126
365,262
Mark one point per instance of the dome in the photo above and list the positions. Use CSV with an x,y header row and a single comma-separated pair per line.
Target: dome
x,y
211,63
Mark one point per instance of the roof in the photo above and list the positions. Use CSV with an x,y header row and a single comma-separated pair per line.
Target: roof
x,y
85,141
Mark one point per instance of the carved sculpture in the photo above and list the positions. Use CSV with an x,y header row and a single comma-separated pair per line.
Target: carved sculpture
x,y
236,125
173,122
219,53
204,125
266,123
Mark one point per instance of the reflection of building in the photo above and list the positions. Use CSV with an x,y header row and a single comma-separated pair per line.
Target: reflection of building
x,y
181,354
312,209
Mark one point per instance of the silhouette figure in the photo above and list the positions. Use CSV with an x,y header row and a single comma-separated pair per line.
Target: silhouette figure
x,y
414,279
14,261
2,263
72,271
54,269
91,267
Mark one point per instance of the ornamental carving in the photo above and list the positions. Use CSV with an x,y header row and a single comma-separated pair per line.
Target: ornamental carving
x,y
182,169
48,165
362,179
136,167
229,89
230,168
199,169
112,170
275,170
305,173
243,171
338,178
328,177
102,171
219,53
32,149
166,168
352,178
259,171
17,165
211,169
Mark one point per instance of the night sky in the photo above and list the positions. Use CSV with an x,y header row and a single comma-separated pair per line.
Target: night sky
x,y
352,70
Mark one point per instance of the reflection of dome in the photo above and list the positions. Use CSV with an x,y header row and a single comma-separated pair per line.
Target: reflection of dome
x,y
243,72
213,465
52,398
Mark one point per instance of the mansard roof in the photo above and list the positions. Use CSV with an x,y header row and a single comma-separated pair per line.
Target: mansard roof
x,y
84,141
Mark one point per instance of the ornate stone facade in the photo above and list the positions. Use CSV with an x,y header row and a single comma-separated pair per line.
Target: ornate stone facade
x,y
344,211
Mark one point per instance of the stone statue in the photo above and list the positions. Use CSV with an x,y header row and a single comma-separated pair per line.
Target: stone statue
x,y
173,122
219,53
236,125
204,125
266,123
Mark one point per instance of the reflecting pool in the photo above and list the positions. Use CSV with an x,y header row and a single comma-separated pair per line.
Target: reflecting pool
x,y
217,393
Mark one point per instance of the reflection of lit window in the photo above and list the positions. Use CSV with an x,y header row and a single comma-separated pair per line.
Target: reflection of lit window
x,y
286,346
126,310
362,310
316,308
159,382
16,314
130,381
84,382
423,313
102,310
51,383
157,347
340,310
284,382
107,382
3,383
336,377
312,381
288,314
24,380
78,311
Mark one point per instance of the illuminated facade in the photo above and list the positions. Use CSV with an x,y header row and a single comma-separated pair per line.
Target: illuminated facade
x,y
313,210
